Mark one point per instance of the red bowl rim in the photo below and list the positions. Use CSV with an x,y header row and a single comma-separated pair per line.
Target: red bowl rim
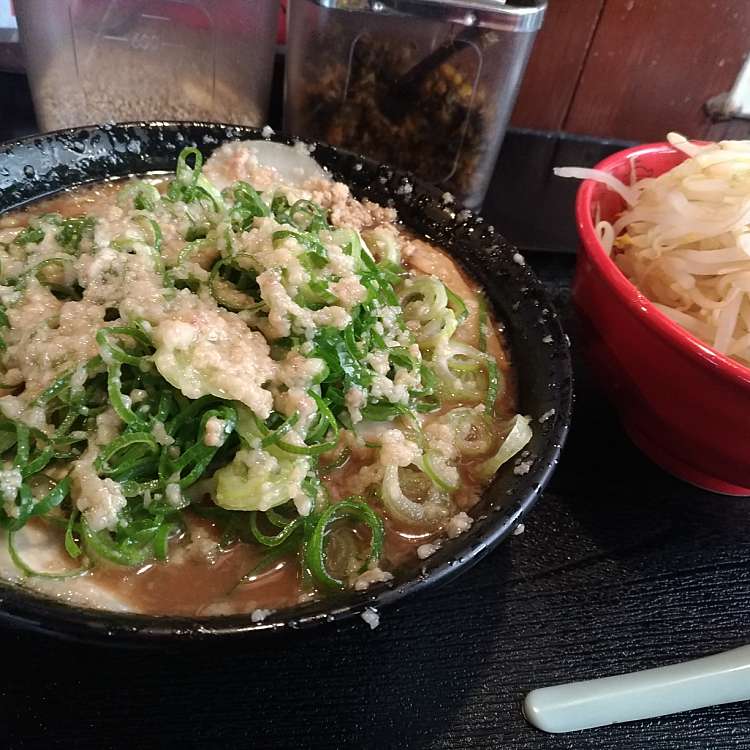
x,y
640,305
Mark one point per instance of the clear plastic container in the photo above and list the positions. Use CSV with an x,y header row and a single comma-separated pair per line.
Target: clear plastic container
x,y
117,60
347,82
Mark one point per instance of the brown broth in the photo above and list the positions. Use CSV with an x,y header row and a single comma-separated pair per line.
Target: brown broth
x,y
206,580
202,579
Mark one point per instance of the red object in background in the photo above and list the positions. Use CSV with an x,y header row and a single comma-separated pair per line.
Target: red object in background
x,y
683,403
281,33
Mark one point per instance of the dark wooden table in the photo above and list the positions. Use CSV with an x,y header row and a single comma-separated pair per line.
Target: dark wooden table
x,y
621,567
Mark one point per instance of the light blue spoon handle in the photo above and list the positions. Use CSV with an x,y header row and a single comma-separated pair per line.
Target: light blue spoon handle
x,y
722,678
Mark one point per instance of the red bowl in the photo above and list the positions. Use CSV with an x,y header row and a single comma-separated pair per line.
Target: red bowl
x,y
684,404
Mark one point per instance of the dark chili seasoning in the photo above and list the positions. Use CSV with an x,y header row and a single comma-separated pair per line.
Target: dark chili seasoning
x,y
443,133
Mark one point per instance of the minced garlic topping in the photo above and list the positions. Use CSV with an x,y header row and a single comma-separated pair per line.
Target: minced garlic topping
x,y
204,351
100,500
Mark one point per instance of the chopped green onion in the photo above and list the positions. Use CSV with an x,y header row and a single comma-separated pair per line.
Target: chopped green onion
x,y
114,352
71,546
493,377
273,437
72,231
353,510
276,539
27,570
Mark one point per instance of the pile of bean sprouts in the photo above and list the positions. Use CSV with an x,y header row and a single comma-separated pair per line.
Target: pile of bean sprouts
x,y
684,240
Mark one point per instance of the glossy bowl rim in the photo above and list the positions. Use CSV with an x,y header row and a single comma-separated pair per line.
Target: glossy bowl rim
x,y
637,303
25,608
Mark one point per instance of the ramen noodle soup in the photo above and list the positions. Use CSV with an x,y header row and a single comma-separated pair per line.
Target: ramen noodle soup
x,y
237,388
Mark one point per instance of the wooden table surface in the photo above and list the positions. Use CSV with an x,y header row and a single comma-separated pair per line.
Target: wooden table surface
x,y
620,567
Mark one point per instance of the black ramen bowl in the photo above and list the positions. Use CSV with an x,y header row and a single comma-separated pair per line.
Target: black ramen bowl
x,y
40,166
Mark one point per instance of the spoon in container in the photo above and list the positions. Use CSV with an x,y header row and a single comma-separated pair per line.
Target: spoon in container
x,y
710,681
399,98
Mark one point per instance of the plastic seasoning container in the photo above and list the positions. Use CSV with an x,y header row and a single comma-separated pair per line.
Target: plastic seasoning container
x,y
93,61
345,81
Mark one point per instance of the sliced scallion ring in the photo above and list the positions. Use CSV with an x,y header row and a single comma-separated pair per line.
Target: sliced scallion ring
x,y
27,570
351,509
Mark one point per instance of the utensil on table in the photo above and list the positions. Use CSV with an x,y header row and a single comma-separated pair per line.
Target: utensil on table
x,y
710,681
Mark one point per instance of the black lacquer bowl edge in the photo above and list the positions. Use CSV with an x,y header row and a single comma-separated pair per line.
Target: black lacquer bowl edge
x,y
41,165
